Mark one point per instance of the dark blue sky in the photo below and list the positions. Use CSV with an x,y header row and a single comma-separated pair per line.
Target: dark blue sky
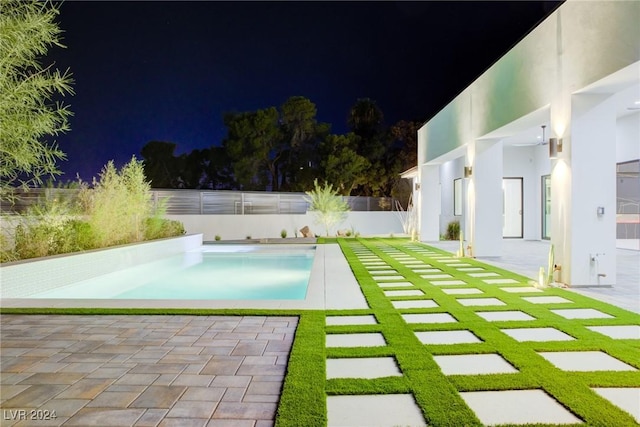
x,y
169,70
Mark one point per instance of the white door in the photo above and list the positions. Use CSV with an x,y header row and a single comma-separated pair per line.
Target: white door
x,y
512,207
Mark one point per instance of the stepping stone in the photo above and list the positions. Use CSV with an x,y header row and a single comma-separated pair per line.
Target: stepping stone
x,y
427,270
419,266
423,303
537,334
471,269
394,284
460,265
474,364
379,269
374,263
546,300
447,337
429,318
450,262
462,291
368,319
499,316
476,302
363,367
520,289
499,281
627,399
404,293
447,282
435,276
517,407
373,410
371,339
581,313
384,271
487,274
410,261
585,361
624,332
389,277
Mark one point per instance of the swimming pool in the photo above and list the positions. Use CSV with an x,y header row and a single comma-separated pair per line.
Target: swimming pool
x,y
210,272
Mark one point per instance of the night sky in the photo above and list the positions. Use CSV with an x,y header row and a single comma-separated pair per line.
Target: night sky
x,y
169,70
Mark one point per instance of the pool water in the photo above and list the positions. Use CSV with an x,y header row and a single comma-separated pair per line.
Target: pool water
x,y
249,272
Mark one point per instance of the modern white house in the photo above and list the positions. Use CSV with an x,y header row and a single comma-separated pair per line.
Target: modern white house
x,y
544,145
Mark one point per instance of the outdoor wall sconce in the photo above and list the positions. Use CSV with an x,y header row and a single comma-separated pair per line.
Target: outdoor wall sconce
x,y
468,171
417,186
555,147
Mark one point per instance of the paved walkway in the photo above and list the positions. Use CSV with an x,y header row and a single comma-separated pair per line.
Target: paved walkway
x,y
213,371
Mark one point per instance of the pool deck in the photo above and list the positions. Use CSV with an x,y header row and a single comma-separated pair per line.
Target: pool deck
x,y
211,371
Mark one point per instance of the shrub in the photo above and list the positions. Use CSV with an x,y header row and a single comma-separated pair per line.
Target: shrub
x,y
160,228
453,230
329,207
283,233
218,237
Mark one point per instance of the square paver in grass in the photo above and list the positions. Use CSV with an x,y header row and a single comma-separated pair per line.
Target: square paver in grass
x,y
389,277
537,334
629,332
373,410
520,289
395,284
369,339
367,319
435,276
363,367
462,291
415,267
517,407
476,302
447,282
581,313
499,281
404,293
474,364
447,337
379,268
469,268
546,300
429,318
420,303
383,271
427,271
487,274
627,399
585,361
500,316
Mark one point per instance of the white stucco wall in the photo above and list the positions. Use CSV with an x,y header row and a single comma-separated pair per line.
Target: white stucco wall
x,y
235,227
628,138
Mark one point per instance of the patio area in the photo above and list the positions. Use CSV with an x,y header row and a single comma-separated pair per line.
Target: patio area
x,y
412,337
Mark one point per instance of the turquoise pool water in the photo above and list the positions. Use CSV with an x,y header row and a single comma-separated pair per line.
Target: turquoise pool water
x,y
214,272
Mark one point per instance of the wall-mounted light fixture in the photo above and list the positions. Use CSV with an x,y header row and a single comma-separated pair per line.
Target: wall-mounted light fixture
x,y
468,171
417,186
555,147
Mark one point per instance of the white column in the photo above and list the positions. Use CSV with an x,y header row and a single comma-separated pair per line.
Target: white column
x,y
429,203
484,199
584,178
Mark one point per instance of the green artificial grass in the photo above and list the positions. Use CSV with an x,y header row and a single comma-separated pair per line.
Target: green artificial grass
x,y
303,398
437,394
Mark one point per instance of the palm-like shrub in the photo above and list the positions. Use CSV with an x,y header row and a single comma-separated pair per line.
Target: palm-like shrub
x,y
329,207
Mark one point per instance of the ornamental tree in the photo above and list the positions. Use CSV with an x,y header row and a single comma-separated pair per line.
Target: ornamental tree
x,y
29,115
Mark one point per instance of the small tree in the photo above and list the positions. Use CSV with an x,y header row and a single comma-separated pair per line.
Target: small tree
x,y
329,207
28,116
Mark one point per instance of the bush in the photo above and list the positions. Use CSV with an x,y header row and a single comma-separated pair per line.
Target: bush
x,y
160,228
453,230
218,237
283,233
42,238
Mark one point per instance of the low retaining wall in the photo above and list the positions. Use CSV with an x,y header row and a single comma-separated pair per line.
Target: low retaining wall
x,y
235,227
24,278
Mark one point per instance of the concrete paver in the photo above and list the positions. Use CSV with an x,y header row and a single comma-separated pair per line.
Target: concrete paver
x,y
88,369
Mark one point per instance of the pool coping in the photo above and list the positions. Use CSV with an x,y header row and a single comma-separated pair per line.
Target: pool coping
x,y
326,267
